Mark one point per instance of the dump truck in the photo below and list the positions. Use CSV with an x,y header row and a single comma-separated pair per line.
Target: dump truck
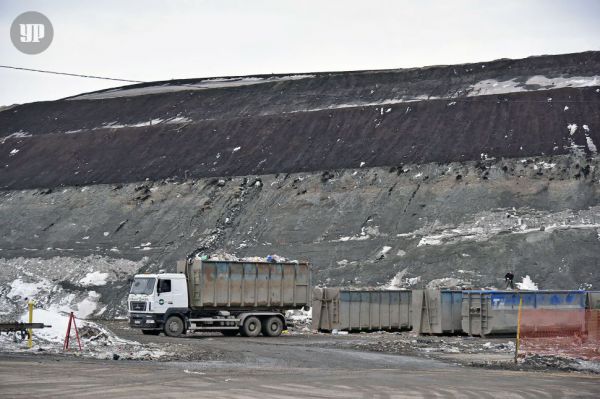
x,y
247,298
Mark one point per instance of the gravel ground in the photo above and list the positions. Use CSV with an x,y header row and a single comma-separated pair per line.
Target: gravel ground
x,y
496,353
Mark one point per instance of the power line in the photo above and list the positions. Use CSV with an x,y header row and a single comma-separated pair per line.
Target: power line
x,y
71,74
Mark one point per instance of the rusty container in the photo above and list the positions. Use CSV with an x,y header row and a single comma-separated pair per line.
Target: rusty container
x,y
248,285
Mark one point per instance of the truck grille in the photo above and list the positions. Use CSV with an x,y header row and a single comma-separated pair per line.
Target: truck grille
x,y
139,306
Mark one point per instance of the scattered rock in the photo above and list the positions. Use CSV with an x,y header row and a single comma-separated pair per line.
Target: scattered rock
x,y
326,176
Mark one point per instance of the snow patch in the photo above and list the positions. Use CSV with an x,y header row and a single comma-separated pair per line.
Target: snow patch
x,y
53,283
413,280
178,120
96,341
544,165
365,234
527,284
20,289
213,83
591,145
488,224
88,306
399,281
492,86
94,279
17,135
396,281
59,322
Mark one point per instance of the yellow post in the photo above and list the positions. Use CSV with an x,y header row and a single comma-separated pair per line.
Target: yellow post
x,y
30,305
518,328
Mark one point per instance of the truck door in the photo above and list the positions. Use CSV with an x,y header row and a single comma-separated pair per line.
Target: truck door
x,y
171,293
164,294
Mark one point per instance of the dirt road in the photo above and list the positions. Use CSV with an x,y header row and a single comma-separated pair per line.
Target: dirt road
x,y
354,376
289,366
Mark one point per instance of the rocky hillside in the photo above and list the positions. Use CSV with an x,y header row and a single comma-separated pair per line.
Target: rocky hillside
x,y
446,175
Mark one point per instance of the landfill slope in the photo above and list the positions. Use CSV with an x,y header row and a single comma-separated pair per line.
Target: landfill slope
x,y
303,123
440,176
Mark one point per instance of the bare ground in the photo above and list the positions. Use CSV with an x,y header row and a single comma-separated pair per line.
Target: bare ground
x,y
295,365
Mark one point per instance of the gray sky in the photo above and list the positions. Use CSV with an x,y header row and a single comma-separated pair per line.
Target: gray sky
x,y
158,40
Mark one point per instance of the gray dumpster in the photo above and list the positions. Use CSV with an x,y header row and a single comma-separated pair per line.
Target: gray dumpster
x,y
346,310
436,311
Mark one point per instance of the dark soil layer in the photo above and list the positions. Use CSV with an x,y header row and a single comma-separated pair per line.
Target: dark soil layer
x,y
514,125
284,126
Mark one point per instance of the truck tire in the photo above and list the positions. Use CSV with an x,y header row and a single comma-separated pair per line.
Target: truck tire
x,y
150,332
272,327
174,326
251,327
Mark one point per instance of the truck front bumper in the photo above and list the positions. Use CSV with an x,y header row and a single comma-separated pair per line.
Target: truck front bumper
x,y
147,321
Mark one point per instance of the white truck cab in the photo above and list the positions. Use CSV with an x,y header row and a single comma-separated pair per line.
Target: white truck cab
x,y
152,296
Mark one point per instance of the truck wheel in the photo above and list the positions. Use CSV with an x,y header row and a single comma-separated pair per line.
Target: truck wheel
x,y
251,327
150,332
273,327
174,326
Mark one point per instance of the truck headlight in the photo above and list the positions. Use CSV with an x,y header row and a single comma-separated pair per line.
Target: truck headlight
x,y
149,321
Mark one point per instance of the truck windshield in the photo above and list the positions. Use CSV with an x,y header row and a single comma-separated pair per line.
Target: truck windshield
x,y
143,285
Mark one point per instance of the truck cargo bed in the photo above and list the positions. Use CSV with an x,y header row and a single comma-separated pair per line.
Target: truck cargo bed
x,y
248,285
